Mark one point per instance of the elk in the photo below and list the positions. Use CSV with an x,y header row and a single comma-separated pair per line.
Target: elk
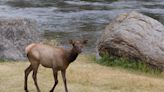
x,y
56,58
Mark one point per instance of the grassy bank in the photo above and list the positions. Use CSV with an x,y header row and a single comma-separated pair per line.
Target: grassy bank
x,y
128,64
83,76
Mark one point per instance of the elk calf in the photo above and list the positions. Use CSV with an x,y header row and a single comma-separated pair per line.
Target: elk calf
x,y
51,57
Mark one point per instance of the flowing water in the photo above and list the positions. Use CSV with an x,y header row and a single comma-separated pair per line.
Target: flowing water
x,y
73,19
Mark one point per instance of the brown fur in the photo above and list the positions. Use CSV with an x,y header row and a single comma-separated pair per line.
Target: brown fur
x,y
51,57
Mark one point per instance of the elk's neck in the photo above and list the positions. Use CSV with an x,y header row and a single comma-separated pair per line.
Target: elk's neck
x,y
72,55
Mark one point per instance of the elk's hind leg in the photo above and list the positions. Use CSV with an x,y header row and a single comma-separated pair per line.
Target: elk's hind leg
x,y
27,72
35,66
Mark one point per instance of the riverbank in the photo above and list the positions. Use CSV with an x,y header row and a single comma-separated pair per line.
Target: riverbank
x,y
83,76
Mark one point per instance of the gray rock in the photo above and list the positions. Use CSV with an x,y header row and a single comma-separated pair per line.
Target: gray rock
x,y
136,36
15,35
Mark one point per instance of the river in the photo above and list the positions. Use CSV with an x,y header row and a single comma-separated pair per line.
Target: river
x,y
71,19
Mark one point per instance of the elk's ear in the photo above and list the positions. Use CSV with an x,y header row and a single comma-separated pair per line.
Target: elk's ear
x,y
85,41
71,41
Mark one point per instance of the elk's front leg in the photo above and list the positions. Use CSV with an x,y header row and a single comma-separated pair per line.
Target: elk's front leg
x,y
55,73
63,72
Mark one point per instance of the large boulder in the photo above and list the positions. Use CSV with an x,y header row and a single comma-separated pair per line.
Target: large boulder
x,y
135,36
15,34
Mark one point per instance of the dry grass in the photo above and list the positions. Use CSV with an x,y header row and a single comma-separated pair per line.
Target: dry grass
x,y
83,76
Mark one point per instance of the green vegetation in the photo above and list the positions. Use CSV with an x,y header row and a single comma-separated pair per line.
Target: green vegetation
x,y
51,42
99,0
2,60
91,0
127,64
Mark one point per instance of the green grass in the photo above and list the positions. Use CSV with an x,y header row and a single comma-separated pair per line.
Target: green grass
x,y
2,60
128,64
91,0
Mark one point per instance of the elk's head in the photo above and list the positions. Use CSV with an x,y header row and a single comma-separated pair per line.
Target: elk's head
x,y
78,44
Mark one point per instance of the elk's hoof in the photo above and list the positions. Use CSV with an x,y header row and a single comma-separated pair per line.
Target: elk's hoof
x,y
26,91
51,91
